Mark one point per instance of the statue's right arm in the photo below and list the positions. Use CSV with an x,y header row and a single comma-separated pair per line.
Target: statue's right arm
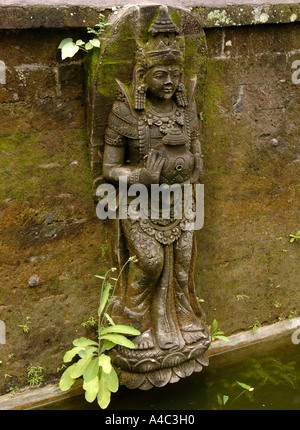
x,y
113,167
113,163
122,126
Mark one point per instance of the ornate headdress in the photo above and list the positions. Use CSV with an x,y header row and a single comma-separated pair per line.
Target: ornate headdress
x,y
165,46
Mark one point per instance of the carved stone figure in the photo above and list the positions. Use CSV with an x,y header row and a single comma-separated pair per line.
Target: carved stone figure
x,y
152,137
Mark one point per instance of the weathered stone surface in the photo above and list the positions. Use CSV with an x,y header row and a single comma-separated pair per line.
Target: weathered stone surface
x,y
252,176
49,17
250,138
47,212
82,13
29,83
29,398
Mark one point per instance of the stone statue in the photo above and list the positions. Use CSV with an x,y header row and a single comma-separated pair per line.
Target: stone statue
x,y
152,137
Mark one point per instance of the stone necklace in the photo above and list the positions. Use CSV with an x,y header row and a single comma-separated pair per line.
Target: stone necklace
x,y
165,121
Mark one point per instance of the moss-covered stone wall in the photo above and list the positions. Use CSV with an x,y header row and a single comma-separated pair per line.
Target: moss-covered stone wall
x,y
248,270
52,243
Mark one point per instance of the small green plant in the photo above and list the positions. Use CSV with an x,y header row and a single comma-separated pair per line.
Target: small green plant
x,y
270,370
26,326
222,400
245,386
91,322
247,389
217,334
35,375
242,297
255,326
199,300
294,237
13,389
60,368
262,372
69,48
94,365
292,314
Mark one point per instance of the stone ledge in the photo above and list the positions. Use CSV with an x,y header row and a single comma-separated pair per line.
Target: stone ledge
x,y
84,13
28,397
252,337
15,17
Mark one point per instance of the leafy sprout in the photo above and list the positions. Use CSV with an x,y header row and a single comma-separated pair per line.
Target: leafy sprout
x,y
94,365
69,48
35,375
217,334
295,236
26,326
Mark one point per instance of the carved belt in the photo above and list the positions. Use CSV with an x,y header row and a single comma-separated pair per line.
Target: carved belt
x,y
165,232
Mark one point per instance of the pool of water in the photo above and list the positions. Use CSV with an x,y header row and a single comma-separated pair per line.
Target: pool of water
x,y
264,376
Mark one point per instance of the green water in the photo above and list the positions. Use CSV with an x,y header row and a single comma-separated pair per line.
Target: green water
x,y
271,373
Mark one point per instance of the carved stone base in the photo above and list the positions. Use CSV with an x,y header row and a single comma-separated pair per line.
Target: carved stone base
x,y
156,367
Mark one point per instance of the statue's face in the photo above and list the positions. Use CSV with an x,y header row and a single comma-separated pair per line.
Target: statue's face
x,y
162,81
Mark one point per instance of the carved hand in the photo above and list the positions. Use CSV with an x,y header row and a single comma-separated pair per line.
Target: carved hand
x,y
198,169
154,164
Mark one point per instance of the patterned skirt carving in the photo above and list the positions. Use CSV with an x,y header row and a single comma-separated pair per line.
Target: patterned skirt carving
x,y
158,298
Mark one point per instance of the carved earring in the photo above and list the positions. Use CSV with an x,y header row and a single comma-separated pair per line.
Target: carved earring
x,y
140,97
181,95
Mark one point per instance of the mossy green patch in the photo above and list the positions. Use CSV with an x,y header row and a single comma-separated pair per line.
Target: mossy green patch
x,y
90,66
36,165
